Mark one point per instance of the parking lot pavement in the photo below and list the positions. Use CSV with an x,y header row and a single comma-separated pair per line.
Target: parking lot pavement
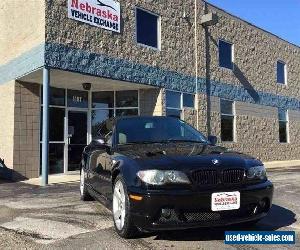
x,y
53,217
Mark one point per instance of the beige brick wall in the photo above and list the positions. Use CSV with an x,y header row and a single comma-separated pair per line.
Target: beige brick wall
x,y
152,102
22,25
27,129
7,102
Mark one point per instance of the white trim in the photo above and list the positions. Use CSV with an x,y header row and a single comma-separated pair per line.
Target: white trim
x,y
181,99
139,111
89,118
158,48
287,127
233,115
234,122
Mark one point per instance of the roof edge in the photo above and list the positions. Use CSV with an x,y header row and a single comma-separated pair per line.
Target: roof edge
x,y
251,24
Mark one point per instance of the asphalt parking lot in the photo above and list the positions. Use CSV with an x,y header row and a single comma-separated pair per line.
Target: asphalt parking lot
x,y
53,217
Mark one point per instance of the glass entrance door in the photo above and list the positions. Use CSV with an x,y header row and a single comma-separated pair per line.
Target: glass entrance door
x,y
77,137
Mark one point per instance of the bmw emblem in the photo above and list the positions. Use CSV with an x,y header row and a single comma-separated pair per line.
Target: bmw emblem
x,y
215,161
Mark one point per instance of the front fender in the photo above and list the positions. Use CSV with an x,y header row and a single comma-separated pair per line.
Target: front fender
x,y
127,168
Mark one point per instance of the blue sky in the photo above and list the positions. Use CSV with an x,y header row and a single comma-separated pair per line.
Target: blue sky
x,y
280,17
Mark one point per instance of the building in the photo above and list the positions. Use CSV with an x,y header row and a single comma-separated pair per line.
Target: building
x,y
226,76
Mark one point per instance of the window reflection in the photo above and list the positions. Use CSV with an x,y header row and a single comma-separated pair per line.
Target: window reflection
x,y
56,158
103,99
173,113
56,124
173,99
128,98
56,97
126,112
98,116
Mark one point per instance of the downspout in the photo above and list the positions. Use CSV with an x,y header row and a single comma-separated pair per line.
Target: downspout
x,y
196,64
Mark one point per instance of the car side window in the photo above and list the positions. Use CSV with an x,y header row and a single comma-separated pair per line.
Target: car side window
x,y
105,130
108,137
186,132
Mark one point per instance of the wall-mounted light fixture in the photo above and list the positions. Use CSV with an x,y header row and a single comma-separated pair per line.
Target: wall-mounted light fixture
x,y
86,85
209,19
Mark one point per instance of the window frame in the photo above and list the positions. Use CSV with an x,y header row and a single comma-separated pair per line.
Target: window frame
x,y
158,29
286,128
115,108
233,115
284,72
181,101
232,54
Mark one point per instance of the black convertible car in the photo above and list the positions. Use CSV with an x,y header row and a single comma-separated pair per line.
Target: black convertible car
x,y
162,174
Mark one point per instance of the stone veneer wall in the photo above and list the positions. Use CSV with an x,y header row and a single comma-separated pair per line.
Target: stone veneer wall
x,y
177,35
7,103
27,129
257,129
255,56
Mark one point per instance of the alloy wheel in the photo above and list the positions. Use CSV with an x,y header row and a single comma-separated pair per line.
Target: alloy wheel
x,y
82,183
119,211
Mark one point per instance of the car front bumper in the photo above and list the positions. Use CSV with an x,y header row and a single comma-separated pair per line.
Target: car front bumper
x,y
170,209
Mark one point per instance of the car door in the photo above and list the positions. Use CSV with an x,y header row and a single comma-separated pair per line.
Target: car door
x,y
99,157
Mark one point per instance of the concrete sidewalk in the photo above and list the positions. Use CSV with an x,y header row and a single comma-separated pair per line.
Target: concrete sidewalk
x,y
282,164
56,178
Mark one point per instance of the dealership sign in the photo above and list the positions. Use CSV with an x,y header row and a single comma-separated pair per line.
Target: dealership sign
x,y
100,13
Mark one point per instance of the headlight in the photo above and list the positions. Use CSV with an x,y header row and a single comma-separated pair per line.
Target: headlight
x,y
258,172
161,177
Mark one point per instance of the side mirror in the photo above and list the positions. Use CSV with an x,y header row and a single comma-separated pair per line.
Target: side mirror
x,y
212,139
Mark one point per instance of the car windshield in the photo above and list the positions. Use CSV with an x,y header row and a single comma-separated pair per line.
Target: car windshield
x,y
155,129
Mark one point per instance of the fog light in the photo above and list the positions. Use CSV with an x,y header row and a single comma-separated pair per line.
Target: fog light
x,y
166,213
262,203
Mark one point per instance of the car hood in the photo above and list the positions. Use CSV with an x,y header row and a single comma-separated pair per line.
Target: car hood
x,y
185,155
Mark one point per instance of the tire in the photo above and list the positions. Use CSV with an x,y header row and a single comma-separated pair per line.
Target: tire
x,y
123,223
84,193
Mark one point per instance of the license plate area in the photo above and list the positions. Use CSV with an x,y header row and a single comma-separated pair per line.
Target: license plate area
x,y
223,201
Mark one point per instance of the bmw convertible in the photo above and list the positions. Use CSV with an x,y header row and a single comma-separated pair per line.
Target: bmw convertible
x,y
160,173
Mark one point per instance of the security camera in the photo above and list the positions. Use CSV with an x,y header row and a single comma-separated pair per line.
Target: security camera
x,y
86,86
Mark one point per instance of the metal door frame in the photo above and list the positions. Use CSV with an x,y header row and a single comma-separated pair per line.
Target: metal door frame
x,y
66,138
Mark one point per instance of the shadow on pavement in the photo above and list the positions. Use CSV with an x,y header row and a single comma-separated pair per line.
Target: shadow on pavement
x,y
17,189
278,217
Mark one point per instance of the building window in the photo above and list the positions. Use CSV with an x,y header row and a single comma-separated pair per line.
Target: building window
x,y
281,72
225,54
176,101
283,125
188,100
227,120
147,28
106,104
